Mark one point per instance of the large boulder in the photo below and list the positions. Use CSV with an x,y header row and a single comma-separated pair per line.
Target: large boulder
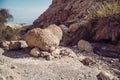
x,y
45,39
85,46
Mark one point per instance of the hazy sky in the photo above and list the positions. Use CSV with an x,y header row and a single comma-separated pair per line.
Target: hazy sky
x,y
25,11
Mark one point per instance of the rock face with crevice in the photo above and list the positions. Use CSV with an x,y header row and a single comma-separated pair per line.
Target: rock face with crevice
x,y
74,15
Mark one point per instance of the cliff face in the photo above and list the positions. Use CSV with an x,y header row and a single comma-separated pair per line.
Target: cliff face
x,y
66,12
74,15
63,12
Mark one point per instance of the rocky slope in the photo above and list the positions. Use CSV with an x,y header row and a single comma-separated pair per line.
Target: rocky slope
x,y
74,15
66,12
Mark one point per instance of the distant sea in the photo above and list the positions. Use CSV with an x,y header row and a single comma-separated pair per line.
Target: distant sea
x,y
25,11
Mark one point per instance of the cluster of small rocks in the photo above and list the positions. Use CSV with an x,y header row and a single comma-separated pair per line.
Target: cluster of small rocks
x,y
58,53
45,42
14,45
87,61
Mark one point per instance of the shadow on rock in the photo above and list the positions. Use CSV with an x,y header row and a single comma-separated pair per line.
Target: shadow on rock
x,y
21,53
106,53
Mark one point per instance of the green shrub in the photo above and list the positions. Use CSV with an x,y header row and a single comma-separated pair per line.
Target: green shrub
x,y
4,15
6,32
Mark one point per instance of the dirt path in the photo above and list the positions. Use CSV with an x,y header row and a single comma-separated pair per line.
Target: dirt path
x,y
66,68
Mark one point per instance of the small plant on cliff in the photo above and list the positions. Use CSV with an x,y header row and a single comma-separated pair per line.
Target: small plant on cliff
x,y
5,33
105,10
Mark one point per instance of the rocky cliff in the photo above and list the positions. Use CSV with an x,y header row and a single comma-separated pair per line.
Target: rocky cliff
x,y
66,12
74,15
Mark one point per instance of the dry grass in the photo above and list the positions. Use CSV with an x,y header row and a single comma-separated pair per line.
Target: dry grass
x,y
105,10
105,22
7,33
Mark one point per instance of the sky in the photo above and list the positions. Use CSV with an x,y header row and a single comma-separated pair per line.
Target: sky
x,y
25,11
